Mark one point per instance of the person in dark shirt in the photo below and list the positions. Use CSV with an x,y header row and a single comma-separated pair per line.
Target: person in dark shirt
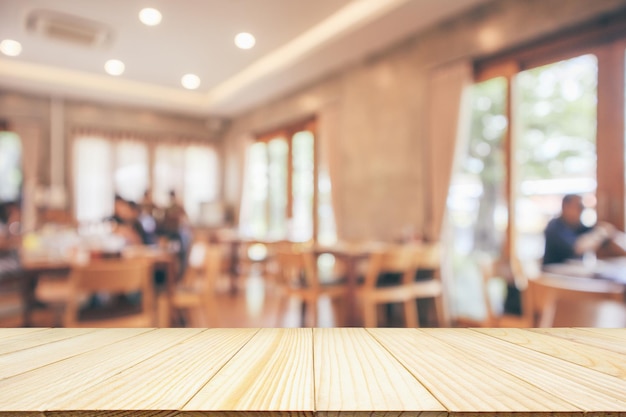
x,y
567,238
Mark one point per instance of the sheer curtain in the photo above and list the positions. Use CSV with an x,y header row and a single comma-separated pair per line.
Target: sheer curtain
x,y
131,173
105,165
93,182
168,173
201,180
448,124
191,171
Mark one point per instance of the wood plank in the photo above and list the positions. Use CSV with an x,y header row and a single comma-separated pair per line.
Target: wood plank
x,y
49,387
353,372
585,389
608,339
32,339
6,333
591,357
101,413
180,371
273,372
462,383
76,342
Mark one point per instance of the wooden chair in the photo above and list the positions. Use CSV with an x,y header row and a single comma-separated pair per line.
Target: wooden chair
x,y
195,296
503,319
297,278
404,260
552,297
115,277
430,260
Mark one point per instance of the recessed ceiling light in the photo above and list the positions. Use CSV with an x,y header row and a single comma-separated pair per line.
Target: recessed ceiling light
x,y
190,81
114,67
245,40
10,47
150,16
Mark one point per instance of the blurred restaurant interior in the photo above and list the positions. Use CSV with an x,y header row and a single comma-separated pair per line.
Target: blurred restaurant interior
x,y
327,163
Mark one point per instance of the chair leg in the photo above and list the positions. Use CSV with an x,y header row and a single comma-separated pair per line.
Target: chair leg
x,y
370,314
442,316
211,314
339,312
411,318
313,311
282,310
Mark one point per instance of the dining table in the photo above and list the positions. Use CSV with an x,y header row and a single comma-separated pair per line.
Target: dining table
x,y
351,254
34,267
608,269
313,372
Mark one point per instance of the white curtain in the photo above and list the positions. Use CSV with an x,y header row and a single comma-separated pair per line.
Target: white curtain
x,y
201,180
93,182
131,175
192,172
448,125
105,166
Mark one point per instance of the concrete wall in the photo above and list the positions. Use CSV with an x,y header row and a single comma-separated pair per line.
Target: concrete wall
x,y
373,111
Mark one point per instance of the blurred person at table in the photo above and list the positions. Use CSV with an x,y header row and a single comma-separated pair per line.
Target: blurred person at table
x,y
175,227
125,222
567,238
143,223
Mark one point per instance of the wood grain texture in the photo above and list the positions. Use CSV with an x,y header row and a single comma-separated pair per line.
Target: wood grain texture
x,y
306,372
27,340
75,342
591,357
464,383
167,380
608,339
48,387
353,372
273,372
583,388
6,333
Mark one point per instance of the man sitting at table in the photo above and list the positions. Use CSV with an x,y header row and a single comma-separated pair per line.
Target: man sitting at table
x,y
567,238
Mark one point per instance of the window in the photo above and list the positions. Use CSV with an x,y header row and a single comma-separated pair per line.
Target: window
x,y
10,167
106,167
477,207
555,146
554,112
93,180
284,194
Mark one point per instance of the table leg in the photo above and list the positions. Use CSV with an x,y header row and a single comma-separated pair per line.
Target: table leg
x,y
351,302
234,266
28,283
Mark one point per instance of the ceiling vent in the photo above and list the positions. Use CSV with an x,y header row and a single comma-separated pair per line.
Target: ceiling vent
x,y
68,28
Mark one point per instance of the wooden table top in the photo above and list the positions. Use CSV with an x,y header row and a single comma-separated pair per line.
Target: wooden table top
x,y
331,372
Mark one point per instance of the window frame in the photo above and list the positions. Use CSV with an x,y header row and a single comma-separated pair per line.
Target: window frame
x,y
606,39
287,132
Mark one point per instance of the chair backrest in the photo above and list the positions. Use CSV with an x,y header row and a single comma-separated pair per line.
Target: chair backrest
x,y
548,291
404,259
430,256
115,276
297,269
204,265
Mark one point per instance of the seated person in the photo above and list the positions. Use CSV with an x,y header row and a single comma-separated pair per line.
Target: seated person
x,y
567,238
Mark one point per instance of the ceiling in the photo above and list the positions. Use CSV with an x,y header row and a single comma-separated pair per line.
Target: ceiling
x,y
297,41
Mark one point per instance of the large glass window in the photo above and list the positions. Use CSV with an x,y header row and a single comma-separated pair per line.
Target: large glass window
x,y
279,199
477,208
555,146
10,166
103,168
